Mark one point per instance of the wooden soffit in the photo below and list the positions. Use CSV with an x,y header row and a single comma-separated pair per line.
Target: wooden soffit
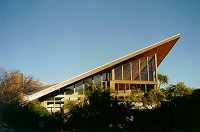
x,y
161,51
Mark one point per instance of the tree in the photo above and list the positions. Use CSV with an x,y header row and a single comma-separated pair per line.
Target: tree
x,y
163,79
100,110
136,95
153,98
178,90
13,86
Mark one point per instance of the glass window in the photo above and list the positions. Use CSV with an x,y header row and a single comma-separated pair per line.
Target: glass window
x,y
79,88
118,73
69,90
152,68
105,77
97,80
126,71
135,70
143,69
88,82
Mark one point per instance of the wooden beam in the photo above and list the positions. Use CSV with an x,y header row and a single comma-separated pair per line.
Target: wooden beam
x,y
132,82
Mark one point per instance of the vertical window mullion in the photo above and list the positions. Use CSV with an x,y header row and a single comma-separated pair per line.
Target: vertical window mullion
x,y
139,70
148,68
131,70
122,72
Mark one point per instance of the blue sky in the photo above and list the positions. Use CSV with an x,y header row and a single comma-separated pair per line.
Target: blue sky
x,y
54,40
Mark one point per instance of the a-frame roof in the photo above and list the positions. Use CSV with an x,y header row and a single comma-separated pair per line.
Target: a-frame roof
x,y
160,48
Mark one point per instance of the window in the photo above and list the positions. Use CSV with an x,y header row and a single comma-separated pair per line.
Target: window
x,y
69,90
118,73
126,71
143,69
97,80
152,68
79,88
135,70
104,76
88,82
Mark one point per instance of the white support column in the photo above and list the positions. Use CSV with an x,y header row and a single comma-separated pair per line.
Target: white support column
x,y
54,103
122,72
139,70
156,66
74,89
112,85
113,74
101,81
92,80
83,90
131,70
147,68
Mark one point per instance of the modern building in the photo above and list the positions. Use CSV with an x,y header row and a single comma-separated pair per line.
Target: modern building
x,y
136,70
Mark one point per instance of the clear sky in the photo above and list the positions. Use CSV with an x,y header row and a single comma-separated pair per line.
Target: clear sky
x,y
54,40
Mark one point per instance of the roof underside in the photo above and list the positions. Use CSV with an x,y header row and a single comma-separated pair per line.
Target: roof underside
x,y
161,49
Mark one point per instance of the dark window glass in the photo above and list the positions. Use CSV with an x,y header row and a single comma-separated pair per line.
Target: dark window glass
x,y
135,70
126,71
79,88
105,76
118,73
69,90
143,69
97,80
152,68
88,82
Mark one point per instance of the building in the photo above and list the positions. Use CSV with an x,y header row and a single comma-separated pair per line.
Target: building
x,y
136,70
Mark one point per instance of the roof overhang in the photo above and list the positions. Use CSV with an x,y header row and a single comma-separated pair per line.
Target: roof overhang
x,y
161,48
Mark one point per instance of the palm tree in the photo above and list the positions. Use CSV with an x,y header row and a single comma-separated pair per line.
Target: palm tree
x,y
163,79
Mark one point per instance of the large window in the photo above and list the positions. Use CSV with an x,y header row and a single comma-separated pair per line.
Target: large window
x,y
152,68
97,80
69,90
118,73
79,88
88,82
105,76
135,70
143,69
126,71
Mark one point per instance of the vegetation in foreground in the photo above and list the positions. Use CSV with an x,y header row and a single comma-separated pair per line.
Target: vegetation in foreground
x,y
175,107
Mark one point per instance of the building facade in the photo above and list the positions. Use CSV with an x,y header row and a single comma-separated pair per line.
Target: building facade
x,y
136,70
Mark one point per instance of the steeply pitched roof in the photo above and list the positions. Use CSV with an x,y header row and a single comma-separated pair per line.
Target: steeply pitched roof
x,y
160,48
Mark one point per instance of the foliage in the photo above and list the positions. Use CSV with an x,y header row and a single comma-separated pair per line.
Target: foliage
x,y
136,95
99,111
36,108
70,104
153,98
163,79
13,86
27,116
178,90
150,100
